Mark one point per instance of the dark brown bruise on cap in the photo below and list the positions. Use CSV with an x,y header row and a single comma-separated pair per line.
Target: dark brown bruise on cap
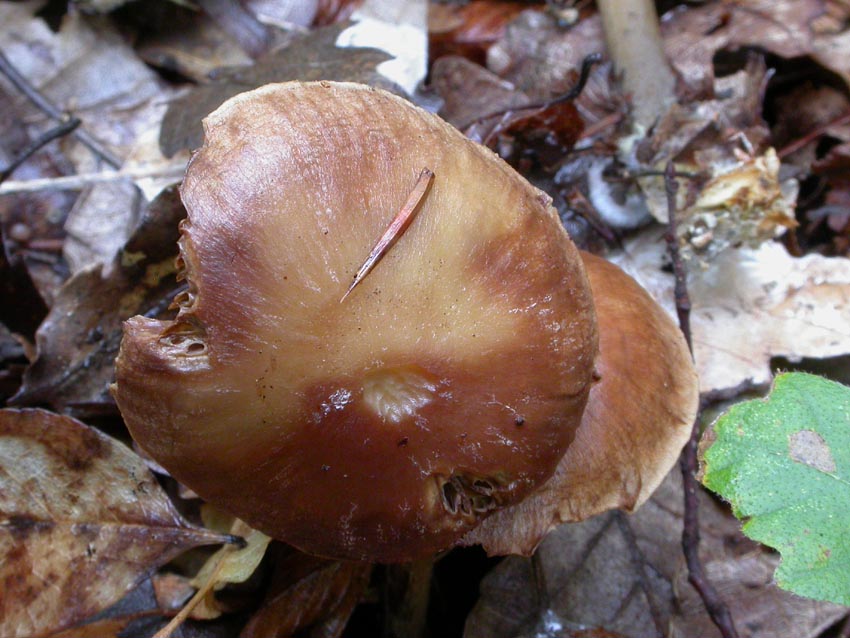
x,y
447,386
638,418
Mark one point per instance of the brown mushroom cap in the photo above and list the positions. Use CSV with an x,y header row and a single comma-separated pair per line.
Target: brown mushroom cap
x,y
446,386
638,418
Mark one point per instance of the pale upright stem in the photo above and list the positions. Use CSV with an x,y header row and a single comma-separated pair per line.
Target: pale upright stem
x,y
633,37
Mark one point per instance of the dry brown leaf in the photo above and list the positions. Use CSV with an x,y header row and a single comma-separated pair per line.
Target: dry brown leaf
x,y
78,341
309,592
540,58
788,28
99,223
595,577
106,628
470,92
228,565
87,68
468,29
312,56
189,43
82,521
751,305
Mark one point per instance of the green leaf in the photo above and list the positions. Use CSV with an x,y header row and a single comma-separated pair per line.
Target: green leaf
x,y
784,464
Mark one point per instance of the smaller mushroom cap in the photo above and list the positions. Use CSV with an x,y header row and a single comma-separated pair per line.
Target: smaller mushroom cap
x,y
638,419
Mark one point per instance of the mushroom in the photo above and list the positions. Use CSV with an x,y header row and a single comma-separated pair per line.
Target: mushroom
x,y
385,401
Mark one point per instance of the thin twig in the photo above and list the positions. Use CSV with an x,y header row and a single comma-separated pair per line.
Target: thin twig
x,y
680,287
53,111
638,561
714,605
33,147
584,75
78,182
812,135
507,114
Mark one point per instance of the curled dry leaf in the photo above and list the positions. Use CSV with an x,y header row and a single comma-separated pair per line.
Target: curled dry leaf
x,y
725,144
229,564
309,592
78,340
746,205
82,520
468,29
787,28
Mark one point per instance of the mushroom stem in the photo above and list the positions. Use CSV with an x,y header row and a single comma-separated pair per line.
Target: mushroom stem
x,y
408,594
634,43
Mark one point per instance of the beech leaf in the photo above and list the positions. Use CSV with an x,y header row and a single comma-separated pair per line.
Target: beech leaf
x,y
82,521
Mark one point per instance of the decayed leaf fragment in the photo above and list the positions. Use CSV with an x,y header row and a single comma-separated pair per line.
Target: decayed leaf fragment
x,y
751,305
743,205
82,520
